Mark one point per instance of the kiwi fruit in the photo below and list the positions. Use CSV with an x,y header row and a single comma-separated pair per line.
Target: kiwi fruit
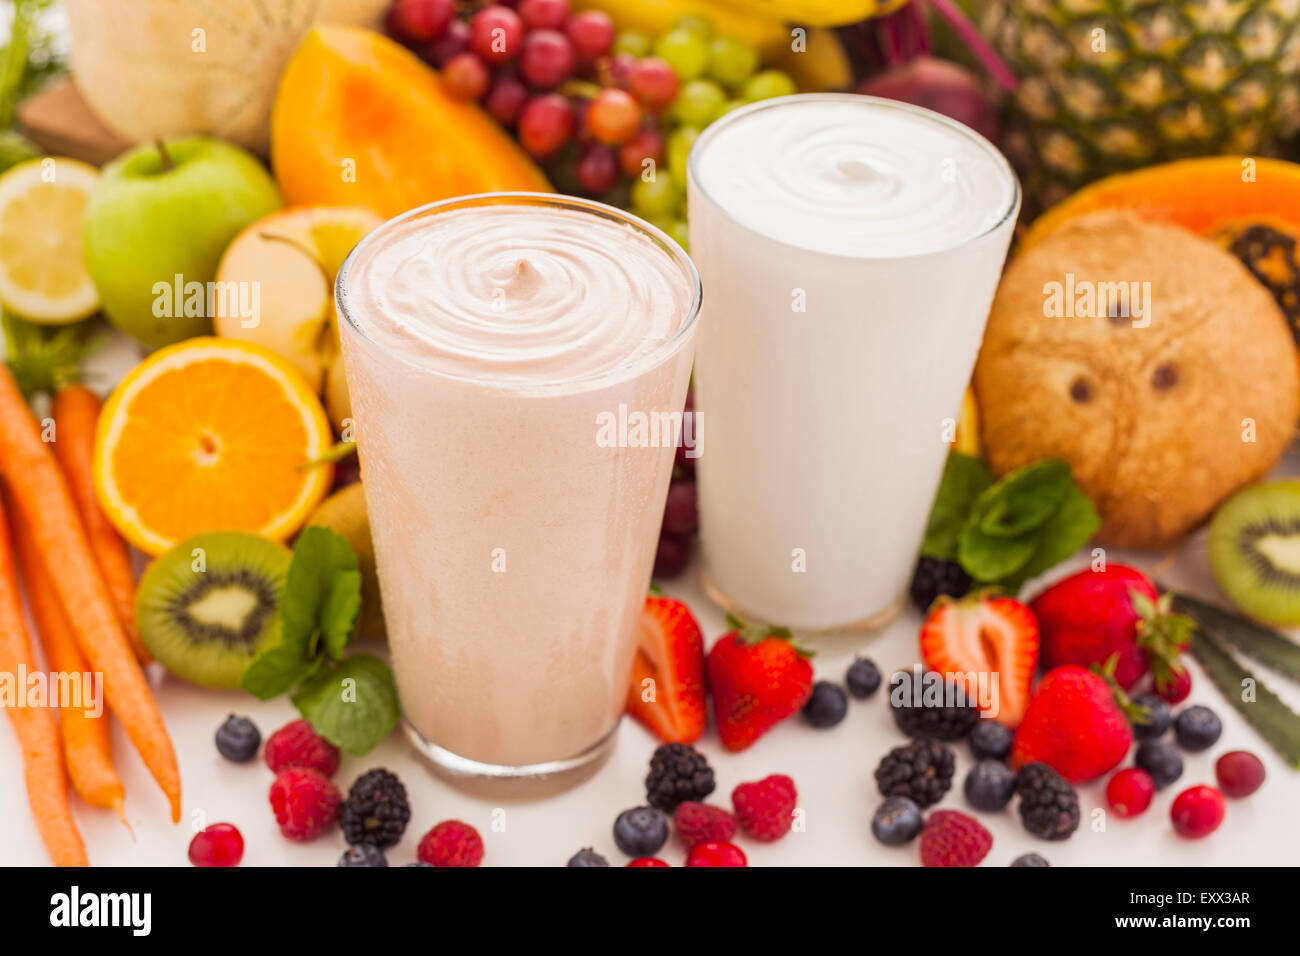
x,y
1255,551
208,606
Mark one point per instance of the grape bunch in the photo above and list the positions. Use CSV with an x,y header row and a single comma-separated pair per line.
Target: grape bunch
x,y
609,115
681,516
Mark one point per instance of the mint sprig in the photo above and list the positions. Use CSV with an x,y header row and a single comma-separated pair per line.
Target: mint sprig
x,y
1003,533
350,702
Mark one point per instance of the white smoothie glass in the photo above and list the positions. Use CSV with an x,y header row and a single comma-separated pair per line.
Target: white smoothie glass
x,y
850,247
485,340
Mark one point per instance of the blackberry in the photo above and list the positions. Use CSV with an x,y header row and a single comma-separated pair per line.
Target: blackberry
x,y
935,576
991,740
916,717
921,771
677,773
376,810
1029,859
587,857
1049,807
1157,717
363,854
238,739
863,678
1197,728
826,706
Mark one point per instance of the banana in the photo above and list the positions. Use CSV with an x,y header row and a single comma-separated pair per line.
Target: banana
x,y
821,66
814,13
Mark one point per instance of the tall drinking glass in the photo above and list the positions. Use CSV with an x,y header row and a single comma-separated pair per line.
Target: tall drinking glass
x,y
492,345
850,247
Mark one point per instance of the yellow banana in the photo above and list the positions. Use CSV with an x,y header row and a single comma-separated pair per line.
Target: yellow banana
x,y
819,66
814,13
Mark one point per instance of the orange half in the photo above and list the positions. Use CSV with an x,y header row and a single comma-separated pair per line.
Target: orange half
x,y
210,435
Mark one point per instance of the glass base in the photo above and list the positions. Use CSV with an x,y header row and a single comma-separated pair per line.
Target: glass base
x,y
538,779
871,623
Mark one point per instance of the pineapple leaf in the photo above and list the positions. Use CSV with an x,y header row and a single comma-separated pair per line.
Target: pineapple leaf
x,y
1264,644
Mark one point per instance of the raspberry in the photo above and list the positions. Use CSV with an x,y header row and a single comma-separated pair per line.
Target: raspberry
x,y
305,803
702,823
951,838
765,809
452,843
297,745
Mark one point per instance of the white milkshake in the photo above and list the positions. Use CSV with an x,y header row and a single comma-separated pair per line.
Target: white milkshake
x,y
849,248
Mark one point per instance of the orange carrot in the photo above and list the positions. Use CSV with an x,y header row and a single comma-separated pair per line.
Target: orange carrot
x,y
42,496
76,412
47,781
87,740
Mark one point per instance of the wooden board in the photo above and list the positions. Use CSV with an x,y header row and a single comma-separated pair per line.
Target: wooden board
x,y
58,120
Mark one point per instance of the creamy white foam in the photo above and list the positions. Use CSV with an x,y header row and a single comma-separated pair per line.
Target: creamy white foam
x,y
518,293
853,176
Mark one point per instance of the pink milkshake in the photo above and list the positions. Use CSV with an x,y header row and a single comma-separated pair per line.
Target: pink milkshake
x,y
486,339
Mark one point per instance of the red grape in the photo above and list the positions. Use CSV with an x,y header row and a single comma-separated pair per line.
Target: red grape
x,y
545,125
598,169
547,58
680,516
543,14
592,34
615,70
419,21
672,555
455,39
1240,773
613,117
653,82
506,98
465,76
496,34
648,143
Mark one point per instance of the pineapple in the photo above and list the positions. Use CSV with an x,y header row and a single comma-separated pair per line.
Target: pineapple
x,y
1112,85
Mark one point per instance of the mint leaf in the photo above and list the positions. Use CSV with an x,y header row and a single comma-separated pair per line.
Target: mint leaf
x,y
338,618
1022,500
964,479
988,559
275,671
1065,532
318,555
352,705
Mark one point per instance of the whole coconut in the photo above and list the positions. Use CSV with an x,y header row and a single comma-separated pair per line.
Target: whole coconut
x,y
1162,403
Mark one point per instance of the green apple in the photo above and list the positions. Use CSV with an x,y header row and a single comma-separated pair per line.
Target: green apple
x,y
158,221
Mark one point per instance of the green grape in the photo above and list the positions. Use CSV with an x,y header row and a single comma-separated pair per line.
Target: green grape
x,y
629,41
678,148
686,52
680,233
731,105
656,197
768,84
699,103
732,61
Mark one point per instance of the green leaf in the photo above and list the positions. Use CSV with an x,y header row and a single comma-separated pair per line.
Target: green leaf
x,y
1065,532
318,555
1023,500
964,479
1273,720
352,705
275,671
338,618
988,559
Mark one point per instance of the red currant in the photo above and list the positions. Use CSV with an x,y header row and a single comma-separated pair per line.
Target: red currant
x,y
1197,812
591,33
1240,773
1129,792
218,845
547,58
613,117
646,861
716,853
465,76
545,125
496,34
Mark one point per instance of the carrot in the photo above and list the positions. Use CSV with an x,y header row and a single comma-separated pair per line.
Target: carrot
x,y
46,504
47,781
87,740
76,411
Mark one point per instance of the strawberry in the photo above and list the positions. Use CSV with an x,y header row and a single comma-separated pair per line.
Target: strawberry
x,y
1091,616
985,635
1074,725
670,656
758,678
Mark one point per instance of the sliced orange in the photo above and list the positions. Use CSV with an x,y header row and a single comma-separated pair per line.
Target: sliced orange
x,y
210,435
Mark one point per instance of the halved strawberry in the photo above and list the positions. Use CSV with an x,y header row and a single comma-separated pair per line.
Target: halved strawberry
x,y
984,635
667,692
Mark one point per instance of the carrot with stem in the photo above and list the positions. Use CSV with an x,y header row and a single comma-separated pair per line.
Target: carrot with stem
x,y
46,504
47,781
87,739
76,412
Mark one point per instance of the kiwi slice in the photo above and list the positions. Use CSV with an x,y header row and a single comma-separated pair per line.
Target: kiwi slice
x,y
1255,551
208,606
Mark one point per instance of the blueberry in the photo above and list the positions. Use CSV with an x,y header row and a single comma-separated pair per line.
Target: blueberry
x,y
1029,859
863,678
827,705
989,785
238,739
587,857
1197,728
990,740
1158,717
641,831
1161,760
363,854
897,821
